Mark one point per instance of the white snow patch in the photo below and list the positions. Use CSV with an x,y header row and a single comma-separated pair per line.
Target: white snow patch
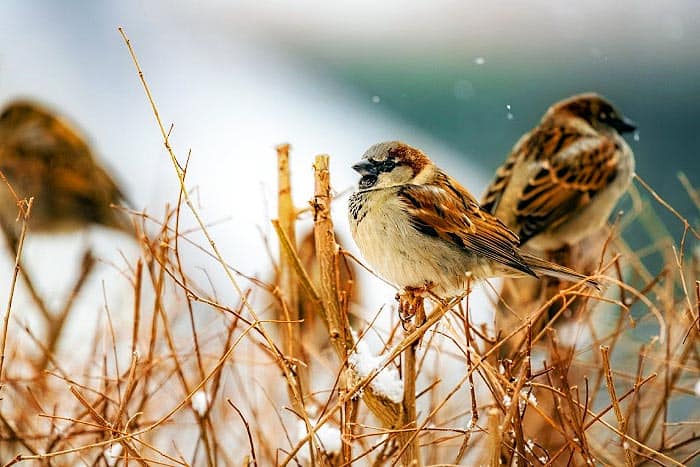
x,y
327,436
112,453
387,383
200,402
527,395
532,399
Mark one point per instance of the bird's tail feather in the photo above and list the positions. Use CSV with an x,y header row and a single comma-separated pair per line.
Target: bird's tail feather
x,y
547,268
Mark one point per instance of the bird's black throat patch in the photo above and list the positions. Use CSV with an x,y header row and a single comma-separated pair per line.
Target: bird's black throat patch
x,y
368,181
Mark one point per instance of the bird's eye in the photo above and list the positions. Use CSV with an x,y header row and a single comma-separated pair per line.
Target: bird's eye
x,y
603,116
387,166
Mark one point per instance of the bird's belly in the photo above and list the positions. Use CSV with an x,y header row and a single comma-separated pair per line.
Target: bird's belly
x,y
408,258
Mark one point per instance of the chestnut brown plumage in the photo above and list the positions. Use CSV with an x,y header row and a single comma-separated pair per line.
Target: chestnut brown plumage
x,y
563,178
44,157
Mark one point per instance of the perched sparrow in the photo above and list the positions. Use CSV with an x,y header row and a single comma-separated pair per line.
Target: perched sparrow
x,y
418,227
43,157
563,178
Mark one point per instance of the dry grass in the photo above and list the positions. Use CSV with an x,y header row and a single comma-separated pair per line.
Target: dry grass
x,y
195,379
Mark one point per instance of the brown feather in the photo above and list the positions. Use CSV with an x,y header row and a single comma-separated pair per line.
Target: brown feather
x,y
569,161
43,157
565,184
445,209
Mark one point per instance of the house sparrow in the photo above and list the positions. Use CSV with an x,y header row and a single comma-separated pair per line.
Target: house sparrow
x,y
41,156
418,227
563,178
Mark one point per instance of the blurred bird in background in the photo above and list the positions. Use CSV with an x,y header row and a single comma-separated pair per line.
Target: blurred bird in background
x,y
563,178
44,157
556,190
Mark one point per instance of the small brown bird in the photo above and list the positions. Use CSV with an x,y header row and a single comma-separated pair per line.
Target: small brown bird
x,y
43,157
563,178
418,227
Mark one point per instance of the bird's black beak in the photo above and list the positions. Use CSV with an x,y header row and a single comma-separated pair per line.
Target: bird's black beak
x,y
365,168
623,125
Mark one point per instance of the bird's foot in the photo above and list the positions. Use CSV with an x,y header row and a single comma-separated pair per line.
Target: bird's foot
x,y
411,304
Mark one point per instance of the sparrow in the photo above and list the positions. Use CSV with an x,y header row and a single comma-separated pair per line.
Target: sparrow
x,y
418,227
43,157
563,178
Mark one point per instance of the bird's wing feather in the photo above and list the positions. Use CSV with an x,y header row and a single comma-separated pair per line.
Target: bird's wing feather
x,y
565,183
446,210
76,170
494,192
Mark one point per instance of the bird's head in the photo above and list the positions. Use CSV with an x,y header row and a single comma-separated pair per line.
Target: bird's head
x,y
21,111
392,163
595,110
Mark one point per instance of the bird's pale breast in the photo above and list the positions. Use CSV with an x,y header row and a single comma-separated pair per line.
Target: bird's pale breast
x,y
401,254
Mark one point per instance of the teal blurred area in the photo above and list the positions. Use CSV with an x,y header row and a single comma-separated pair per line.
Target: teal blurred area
x,y
496,67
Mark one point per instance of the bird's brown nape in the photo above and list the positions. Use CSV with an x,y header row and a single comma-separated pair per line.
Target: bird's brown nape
x,y
583,108
410,156
587,106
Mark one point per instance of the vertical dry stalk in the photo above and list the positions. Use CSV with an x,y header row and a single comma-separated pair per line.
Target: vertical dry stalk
x,y
25,212
13,242
138,282
411,305
288,284
329,275
621,422
574,417
328,258
287,218
388,412
494,434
